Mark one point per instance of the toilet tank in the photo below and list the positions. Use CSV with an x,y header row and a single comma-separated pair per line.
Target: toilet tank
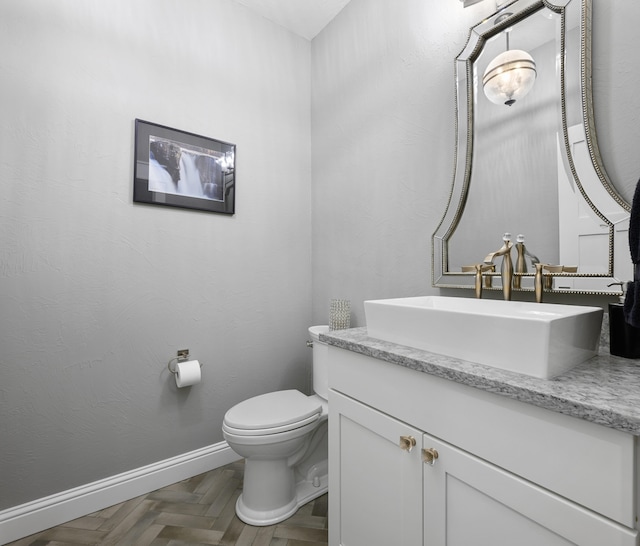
x,y
320,364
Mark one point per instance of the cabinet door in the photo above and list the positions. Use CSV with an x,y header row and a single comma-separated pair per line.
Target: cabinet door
x,y
469,501
375,487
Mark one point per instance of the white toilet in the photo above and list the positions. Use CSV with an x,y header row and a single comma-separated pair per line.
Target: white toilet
x,y
283,437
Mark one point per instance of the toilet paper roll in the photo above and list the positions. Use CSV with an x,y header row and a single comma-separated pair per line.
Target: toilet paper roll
x,y
187,373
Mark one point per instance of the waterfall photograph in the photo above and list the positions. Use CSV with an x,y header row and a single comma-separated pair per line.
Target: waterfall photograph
x,y
182,169
179,169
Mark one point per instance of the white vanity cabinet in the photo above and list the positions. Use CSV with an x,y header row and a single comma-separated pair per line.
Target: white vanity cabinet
x,y
503,473
380,491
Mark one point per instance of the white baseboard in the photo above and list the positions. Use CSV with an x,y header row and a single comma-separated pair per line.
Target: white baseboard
x,y
33,517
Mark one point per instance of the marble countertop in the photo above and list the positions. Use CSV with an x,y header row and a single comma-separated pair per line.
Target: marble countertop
x,y
603,390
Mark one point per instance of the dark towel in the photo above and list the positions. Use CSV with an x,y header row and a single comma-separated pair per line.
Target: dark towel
x,y
632,301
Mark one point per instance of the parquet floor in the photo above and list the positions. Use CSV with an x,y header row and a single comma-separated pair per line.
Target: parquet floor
x,y
193,512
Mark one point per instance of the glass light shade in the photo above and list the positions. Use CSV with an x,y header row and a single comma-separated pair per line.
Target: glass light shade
x,y
509,77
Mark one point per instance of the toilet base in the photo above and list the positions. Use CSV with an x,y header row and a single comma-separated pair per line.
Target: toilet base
x,y
306,491
274,490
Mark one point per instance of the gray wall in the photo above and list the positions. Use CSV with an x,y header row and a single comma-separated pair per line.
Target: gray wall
x,y
345,158
98,293
383,137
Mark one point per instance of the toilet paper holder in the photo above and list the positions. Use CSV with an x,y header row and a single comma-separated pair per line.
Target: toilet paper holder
x,y
183,355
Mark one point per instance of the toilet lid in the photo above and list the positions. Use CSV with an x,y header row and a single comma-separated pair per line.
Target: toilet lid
x,y
274,409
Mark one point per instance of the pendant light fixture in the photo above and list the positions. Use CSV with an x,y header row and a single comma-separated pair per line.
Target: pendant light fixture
x,y
511,75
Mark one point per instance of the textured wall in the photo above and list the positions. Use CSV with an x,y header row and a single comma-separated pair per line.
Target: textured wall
x,y
383,144
97,293
383,137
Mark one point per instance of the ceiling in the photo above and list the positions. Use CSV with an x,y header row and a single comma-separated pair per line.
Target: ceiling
x,y
303,17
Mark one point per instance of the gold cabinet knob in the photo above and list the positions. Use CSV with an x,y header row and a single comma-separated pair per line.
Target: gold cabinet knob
x,y
407,443
429,455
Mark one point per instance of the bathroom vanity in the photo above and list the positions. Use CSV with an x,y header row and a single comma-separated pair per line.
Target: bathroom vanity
x,y
427,449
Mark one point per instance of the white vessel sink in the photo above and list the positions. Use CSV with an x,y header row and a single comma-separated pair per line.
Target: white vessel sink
x,y
538,339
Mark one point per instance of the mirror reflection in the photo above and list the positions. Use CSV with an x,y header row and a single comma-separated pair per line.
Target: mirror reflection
x,y
531,167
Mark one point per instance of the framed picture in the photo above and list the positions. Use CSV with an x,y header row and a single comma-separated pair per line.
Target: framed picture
x,y
180,169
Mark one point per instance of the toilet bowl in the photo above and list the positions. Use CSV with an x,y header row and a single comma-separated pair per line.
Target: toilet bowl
x,y
283,437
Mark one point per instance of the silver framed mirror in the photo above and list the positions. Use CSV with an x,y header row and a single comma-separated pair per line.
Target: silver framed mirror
x,y
531,166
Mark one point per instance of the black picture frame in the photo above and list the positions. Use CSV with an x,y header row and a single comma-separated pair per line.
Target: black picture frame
x,y
179,169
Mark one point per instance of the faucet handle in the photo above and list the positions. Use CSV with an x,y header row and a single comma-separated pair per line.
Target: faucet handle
x,y
478,270
506,237
478,283
538,282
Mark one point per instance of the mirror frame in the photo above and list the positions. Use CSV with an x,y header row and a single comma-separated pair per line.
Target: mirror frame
x,y
604,197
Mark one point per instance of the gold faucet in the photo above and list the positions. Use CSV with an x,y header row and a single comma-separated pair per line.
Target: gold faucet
x,y
521,262
478,270
506,271
538,283
544,276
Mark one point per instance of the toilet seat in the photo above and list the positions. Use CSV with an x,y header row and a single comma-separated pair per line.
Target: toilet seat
x,y
272,413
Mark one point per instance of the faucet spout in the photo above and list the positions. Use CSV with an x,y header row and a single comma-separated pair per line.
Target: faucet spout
x,y
502,251
506,271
